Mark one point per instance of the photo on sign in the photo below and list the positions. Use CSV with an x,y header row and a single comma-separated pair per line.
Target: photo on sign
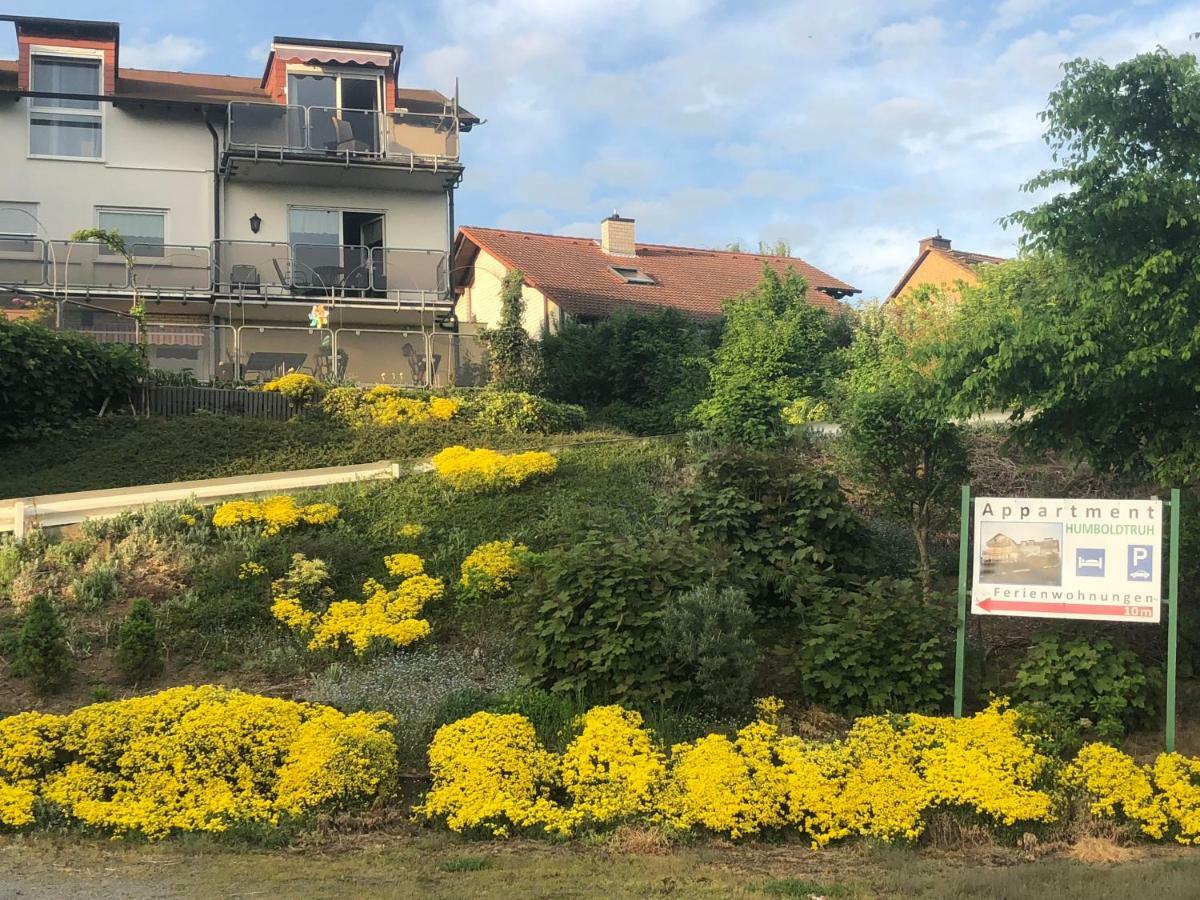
x,y
1020,553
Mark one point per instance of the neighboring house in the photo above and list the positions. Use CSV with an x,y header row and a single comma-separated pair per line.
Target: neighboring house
x,y
1000,548
940,265
254,207
588,280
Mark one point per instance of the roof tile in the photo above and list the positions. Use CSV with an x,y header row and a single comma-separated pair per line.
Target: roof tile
x,y
575,273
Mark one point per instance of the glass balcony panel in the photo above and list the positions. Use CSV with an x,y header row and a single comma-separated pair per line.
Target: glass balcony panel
x,y
83,265
172,267
421,135
251,267
385,356
410,274
22,261
267,125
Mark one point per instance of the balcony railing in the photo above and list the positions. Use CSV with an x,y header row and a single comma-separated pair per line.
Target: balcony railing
x,y
402,137
229,268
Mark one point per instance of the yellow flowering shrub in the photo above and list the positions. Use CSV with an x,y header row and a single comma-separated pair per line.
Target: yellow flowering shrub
x,y
296,386
251,569
490,772
489,569
1160,799
275,514
384,614
881,781
192,759
612,770
410,531
1178,779
490,470
387,405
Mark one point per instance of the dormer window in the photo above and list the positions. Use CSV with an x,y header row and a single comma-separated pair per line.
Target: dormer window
x,y
631,275
65,126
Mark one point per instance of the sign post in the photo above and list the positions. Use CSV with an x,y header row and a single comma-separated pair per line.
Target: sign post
x,y
1090,559
960,643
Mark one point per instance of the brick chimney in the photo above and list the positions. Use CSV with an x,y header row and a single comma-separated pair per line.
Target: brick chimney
x,y
617,236
937,242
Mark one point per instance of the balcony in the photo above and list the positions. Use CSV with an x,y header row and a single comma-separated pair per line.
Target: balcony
x,y
419,145
370,277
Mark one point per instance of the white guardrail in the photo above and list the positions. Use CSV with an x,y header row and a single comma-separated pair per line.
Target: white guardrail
x,y
54,510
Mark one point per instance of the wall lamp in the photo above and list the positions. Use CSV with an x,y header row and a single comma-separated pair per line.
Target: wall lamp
x,y
255,223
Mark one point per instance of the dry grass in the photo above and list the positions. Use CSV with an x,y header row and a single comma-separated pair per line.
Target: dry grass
x,y
1097,850
635,841
948,832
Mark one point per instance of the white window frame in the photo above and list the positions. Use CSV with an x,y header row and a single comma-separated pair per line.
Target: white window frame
x,y
142,210
69,53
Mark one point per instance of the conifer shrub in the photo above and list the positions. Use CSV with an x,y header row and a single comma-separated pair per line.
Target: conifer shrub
x,y
139,654
42,655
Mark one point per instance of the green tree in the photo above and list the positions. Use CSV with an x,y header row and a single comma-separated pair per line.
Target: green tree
x,y
897,438
41,653
514,358
1093,340
775,348
139,654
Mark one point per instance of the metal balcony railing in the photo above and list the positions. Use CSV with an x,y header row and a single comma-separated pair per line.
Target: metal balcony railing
x,y
400,136
229,268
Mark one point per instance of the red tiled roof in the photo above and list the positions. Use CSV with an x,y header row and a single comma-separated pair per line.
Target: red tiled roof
x,y
575,273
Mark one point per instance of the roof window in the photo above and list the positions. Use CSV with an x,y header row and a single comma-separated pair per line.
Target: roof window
x,y
631,275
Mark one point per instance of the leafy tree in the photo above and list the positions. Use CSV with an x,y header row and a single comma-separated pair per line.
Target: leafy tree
x,y
642,371
514,358
41,653
775,348
139,654
708,636
897,437
1093,340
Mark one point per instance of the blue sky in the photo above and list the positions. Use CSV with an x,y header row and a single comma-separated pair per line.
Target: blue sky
x,y
849,129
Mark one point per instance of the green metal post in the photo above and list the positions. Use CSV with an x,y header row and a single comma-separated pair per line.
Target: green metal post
x,y
960,644
1172,619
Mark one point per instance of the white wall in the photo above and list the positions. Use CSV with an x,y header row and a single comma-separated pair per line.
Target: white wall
x,y
150,161
479,304
412,220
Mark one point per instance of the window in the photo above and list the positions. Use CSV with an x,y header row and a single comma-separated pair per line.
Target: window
x,y
62,126
631,275
144,230
18,223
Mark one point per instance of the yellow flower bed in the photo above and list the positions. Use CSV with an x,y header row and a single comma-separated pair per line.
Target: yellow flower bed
x,y
295,386
275,514
490,470
384,614
387,405
1159,799
191,759
489,570
880,782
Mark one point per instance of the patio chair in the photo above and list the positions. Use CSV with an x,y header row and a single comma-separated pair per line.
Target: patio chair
x,y
345,141
244,278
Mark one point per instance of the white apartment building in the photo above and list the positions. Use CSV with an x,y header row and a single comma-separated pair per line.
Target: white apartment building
x,y
298,221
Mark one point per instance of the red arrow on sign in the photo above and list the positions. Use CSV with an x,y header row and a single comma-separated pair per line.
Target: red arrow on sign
x,y
990,604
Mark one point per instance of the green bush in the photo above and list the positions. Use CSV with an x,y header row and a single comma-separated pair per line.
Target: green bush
x,y
707,636
594,613
41,651
878,649
51,378
775,524
138,653
1086,679
515,411
96,587
640,371
775,347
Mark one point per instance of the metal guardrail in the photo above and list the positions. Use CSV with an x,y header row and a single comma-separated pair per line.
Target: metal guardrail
x,y
400,136
253,268
17,514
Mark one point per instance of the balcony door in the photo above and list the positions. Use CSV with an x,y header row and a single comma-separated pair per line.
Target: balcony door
x,y
343,110
331,248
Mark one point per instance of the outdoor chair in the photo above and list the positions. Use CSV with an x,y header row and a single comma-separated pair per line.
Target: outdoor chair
x,y
345,139
244,278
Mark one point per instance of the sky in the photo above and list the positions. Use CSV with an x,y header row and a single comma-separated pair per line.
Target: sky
x,y
849,129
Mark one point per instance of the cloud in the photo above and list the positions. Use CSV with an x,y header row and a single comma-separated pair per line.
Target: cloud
x,y
169,52
849,129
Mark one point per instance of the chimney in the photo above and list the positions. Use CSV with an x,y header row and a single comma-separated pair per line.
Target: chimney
x,y
617,236
937,242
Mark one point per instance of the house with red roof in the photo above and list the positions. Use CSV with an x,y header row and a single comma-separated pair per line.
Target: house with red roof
x,y
589,279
